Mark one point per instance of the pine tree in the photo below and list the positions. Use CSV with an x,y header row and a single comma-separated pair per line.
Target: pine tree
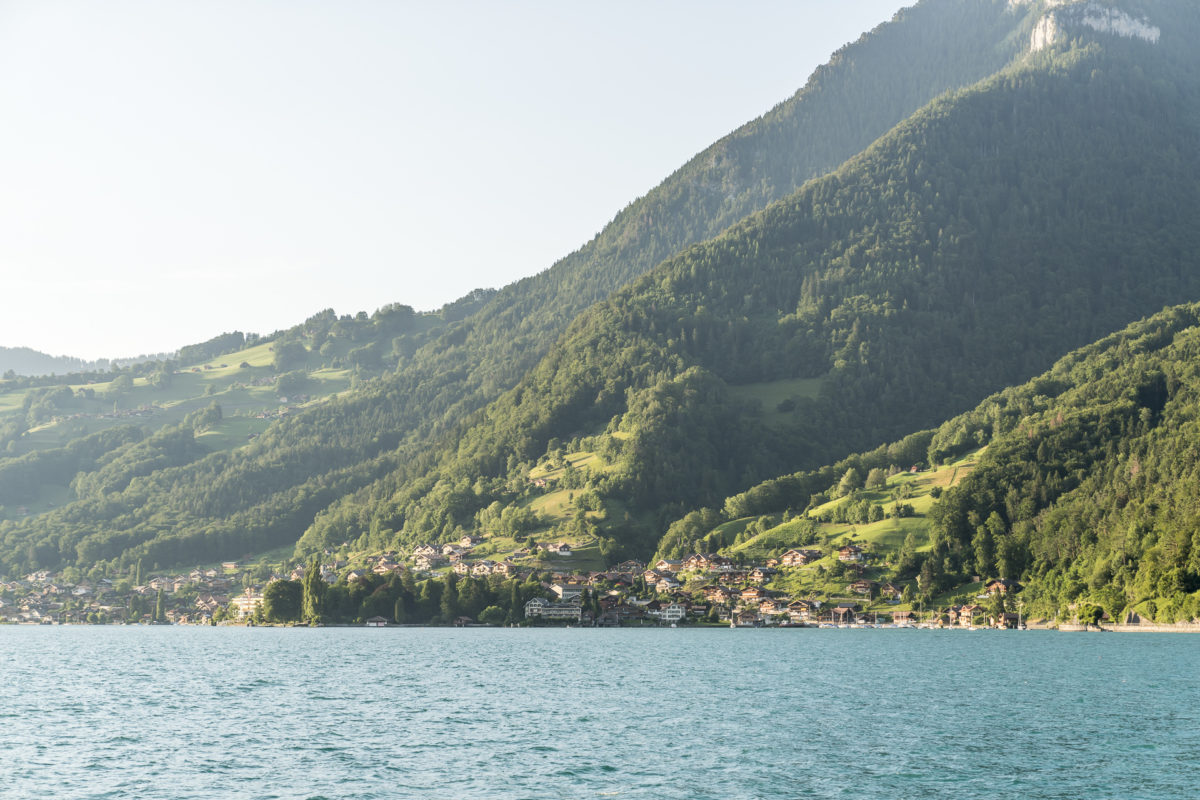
x,y
449,603
313,600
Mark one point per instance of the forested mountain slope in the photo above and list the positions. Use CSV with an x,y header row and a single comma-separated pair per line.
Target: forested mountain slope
x,y
1083,490
964,251
266,493
1088,488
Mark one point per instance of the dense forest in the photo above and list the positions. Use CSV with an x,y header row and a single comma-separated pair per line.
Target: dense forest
x,y
1085,489
973,236
433,381
958,254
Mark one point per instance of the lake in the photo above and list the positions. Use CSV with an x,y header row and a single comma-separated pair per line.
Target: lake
x,y
185,712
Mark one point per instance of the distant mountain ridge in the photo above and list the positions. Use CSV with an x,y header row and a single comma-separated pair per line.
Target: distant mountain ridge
x,y
27,362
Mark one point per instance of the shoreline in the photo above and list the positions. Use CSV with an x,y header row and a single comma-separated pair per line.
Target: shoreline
x,y
1182,627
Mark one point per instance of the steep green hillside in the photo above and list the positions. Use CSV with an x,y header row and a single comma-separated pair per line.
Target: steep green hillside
x,y
1080,485
267,492
964,251
1088,488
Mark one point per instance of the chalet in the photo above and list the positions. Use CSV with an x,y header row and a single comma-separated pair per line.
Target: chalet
x,y
505,568
799,610
746,618
630,566
963,615
565,591
904,619
890,591
844,613
762,574
426,563
449,549
668,565
467,542
456,557
462,568
609,619
666,584
385,566
770,607
651,576
753,594
798,558
1002,586
231,566
483,567
705,562
209,604
717,594
425,550
298,574
1006,620
863,587
355,575
851,552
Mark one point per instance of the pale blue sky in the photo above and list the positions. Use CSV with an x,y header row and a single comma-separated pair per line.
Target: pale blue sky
x,y
173,170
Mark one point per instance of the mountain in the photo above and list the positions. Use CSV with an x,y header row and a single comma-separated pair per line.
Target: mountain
x,y
1079,485
977,240
962,252
26,361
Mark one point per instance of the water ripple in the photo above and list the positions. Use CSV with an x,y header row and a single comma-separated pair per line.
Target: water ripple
x,y
342,714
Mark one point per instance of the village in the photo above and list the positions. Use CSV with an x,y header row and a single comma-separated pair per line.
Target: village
x,y
701,589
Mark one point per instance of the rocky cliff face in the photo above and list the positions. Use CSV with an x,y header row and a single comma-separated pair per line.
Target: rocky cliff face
x,y
1060,18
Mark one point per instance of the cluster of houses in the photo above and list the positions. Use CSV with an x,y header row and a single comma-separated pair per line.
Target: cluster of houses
x,y
42,597
704,586
194,597
713,588
429,557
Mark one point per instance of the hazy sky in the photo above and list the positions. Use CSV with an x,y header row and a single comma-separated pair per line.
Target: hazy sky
x,y
173,170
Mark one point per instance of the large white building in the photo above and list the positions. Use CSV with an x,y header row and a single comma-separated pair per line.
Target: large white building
x,y
541,607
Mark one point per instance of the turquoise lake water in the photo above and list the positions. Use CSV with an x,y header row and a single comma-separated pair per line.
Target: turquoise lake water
x,y
135,712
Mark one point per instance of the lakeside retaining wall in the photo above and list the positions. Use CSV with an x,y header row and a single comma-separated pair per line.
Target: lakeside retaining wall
x,y
1146,627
